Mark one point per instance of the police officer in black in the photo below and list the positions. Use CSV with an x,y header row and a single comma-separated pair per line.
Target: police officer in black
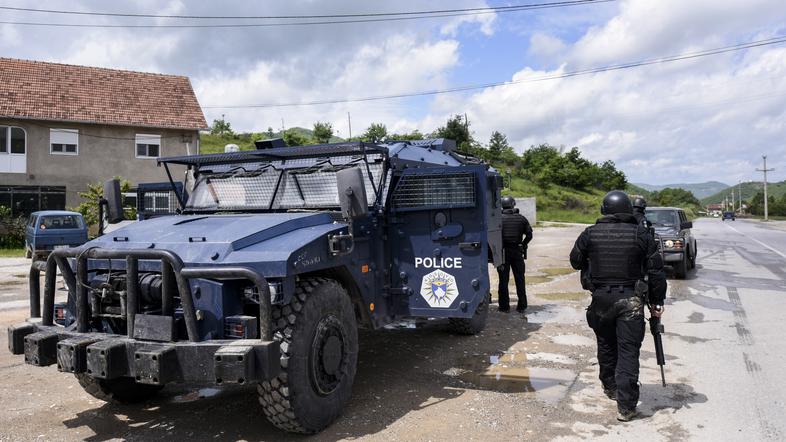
x,y
516,235
616,254
639,207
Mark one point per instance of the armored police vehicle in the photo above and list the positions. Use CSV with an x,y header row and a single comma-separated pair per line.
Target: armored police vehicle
x,y
277,257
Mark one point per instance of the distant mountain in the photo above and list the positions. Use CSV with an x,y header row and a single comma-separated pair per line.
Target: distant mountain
x,y
748,190
699,190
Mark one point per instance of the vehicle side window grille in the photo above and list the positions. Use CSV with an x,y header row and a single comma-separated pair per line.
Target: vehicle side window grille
x,y
449,190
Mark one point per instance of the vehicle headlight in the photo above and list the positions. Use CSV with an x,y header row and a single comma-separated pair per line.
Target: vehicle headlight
x,y
669,243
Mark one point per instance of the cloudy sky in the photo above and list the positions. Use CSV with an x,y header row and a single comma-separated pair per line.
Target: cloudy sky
x,y
708,118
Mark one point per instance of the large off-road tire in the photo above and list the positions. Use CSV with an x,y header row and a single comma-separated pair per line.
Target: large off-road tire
x,y
117,391
693,257
319,349
475,324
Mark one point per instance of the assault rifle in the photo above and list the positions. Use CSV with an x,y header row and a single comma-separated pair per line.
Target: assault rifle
x,y
656,328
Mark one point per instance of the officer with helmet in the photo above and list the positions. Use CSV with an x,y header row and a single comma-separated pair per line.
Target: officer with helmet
x,y
617,255
516,235
639,207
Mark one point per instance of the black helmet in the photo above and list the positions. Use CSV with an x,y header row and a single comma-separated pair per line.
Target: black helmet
x,y
639,202
508,202
616,201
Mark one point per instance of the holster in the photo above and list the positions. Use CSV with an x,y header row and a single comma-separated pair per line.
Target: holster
x,y
642,290
586,280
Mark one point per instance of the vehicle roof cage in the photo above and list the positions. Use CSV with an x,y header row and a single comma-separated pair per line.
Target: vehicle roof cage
x,y
277,153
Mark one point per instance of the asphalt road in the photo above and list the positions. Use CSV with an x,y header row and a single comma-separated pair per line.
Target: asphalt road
x,y
735,304
531,377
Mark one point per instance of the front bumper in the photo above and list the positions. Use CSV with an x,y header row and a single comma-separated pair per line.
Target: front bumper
x,y
149,353
673,256
105,356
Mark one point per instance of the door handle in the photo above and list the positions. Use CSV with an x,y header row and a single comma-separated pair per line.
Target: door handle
x,y
469,245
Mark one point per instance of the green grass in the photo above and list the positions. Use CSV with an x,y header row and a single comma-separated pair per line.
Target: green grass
x,y
557,203
12,253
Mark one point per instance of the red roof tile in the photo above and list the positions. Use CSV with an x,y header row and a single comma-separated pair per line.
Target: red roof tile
x,y
62,92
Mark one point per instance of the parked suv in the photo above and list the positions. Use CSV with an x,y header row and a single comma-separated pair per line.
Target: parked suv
x,y
48,230
676,240
729,215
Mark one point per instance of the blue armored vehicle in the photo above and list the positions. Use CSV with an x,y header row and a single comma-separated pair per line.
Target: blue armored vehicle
x,y
276,258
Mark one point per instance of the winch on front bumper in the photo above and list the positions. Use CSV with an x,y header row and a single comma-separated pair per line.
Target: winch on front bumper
x,y
149,352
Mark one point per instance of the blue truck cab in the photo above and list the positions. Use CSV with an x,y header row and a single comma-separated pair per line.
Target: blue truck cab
x,y
48,230
273,261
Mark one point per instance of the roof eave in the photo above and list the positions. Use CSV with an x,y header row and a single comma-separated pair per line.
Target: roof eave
x,y
102,123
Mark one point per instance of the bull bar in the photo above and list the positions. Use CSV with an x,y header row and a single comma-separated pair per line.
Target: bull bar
x,y
106,356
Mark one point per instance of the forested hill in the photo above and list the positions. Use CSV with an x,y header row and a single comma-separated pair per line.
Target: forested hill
x,y
699,190
748,190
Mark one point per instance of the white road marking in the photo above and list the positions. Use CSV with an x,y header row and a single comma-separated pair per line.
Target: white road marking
x,y
782,255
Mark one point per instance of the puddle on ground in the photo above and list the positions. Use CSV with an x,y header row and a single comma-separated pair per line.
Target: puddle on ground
x,y
712,303
577,340
509,373
196,395
565,296
559,315
696,318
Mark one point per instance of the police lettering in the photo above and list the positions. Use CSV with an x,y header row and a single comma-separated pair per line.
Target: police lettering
x,y
438,263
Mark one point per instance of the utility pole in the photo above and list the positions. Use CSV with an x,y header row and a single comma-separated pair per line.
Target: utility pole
x,y
732,200
739,193
349,121
765,170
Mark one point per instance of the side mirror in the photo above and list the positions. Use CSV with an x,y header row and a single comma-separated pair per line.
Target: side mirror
x,y
352,193
686,225
114,206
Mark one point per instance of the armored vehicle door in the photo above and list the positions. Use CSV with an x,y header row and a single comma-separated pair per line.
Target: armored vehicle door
x,y
438,240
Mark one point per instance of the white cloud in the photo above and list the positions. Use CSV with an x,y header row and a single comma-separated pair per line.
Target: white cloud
x,y
685,121
542,45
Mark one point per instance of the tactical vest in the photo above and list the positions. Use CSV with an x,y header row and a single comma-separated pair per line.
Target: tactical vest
x,y
614,254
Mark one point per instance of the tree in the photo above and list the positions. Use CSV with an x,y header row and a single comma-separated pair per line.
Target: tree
x,y
414,135
89,206
294,138
457,128
269,132
499,146
375,133
221,127
323,132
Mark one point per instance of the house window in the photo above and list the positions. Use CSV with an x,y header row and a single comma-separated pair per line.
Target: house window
x,y
64,141
13,149
148,146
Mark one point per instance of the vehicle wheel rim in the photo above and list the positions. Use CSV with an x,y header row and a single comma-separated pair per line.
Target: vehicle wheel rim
x,y
328,358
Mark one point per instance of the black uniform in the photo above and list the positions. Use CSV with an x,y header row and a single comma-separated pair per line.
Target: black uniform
x,y
615,253
641,218
514,227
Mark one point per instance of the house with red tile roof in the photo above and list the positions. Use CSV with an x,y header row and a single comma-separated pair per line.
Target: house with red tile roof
x,y
64,126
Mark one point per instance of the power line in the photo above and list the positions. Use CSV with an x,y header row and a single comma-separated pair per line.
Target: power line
x,y
305,23
616,67
487,9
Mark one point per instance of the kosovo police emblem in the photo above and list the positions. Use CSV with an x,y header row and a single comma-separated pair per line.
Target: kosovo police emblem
x,y
439,289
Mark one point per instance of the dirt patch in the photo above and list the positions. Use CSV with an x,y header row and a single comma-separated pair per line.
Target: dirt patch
x,y
538,279
557,271
563,296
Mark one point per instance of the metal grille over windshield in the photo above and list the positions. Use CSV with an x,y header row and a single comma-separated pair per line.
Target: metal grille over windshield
x,y
280,185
